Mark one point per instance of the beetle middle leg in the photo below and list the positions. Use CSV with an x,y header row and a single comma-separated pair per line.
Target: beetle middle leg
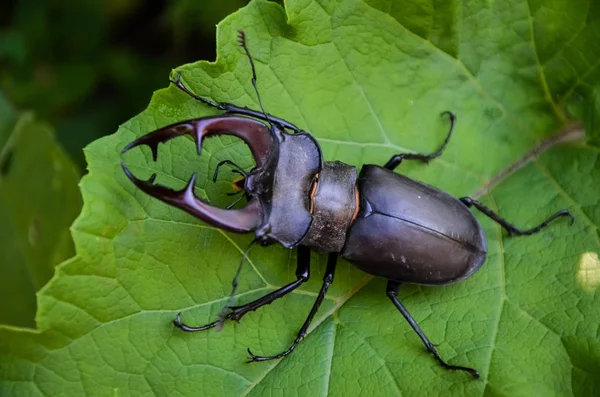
x,y
238,184
512,230
397,158
327,280
237,312
392,293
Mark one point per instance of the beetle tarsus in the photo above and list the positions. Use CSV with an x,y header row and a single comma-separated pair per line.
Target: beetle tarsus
x,y
237,312
226,311
511,229
179,84
392,293
256,359
327,280
473,372
397,159
177,322
231,109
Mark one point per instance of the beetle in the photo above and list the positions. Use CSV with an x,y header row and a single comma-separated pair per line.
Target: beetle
x,y
385,223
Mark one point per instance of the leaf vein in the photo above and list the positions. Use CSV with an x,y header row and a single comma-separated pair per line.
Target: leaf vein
x,y
363,94
330,359
376,353
540,68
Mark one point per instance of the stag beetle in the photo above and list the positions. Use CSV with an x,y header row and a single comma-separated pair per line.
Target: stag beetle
x,y
384,223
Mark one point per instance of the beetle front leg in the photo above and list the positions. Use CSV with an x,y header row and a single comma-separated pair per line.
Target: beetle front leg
x,y
511,229
230,108
397,158
392,293
177,82
237,312
327,280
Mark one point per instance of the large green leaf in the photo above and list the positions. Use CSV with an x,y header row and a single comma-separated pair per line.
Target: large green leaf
x,y
368,79
39,199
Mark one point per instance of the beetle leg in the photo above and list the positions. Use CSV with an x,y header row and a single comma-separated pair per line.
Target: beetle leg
x,y
233,109
177,82
327,280
237,169
392,293
237,312
397,158
511,229
230,108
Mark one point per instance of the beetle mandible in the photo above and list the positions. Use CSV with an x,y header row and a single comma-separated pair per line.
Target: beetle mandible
x,y
384,223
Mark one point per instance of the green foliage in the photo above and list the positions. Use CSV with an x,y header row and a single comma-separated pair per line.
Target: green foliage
x,y
39,199
368,79
187,16
87,66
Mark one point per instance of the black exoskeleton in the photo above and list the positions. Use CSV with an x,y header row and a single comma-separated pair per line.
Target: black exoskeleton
x,y
384,223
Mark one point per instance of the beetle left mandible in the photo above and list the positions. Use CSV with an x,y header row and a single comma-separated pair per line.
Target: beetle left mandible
x,y
384,223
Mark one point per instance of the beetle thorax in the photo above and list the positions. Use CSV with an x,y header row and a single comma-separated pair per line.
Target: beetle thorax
x,y
283,185
334,203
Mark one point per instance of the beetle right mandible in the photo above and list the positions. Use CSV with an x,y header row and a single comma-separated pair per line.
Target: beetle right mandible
x,y
384,223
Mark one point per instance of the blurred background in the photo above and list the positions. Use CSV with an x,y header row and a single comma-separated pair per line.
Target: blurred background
x,y
72,71
87,66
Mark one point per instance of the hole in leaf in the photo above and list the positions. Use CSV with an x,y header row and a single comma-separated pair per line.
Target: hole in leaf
x,y
588,274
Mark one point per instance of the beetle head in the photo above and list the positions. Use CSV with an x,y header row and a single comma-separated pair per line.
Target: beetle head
x,y
278,187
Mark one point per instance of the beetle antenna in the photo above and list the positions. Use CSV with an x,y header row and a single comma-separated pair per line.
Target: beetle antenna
x,y
242,42
234,284
237,169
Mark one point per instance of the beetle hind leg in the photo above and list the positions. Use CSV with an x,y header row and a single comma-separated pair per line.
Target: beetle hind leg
x,y
327,280
512,230
392,293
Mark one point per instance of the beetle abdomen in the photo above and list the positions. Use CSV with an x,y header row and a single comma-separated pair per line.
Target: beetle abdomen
x,y
412,232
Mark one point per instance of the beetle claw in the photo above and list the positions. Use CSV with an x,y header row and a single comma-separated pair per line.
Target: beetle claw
x,y
253,358
177,80
473,372
177,321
